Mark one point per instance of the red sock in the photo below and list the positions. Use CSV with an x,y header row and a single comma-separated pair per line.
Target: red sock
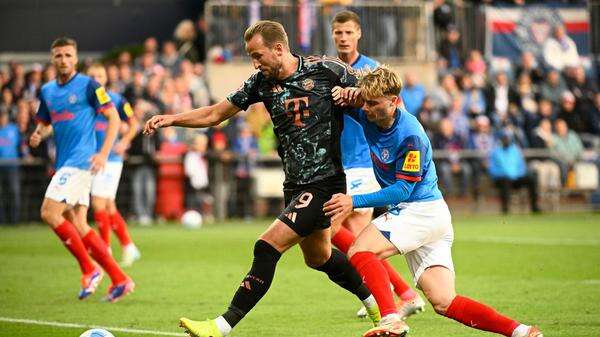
x,y
480,316
376,279
99,251
120,228
103,222
401,288
343,239
70,238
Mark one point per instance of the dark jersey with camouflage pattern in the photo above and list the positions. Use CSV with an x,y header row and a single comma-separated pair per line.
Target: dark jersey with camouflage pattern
x,y
305,119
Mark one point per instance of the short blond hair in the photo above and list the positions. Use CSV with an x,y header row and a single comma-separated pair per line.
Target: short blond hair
x,y
271,32
379,83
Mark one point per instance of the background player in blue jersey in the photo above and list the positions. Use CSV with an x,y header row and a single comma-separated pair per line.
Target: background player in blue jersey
x,y
360,179
106,183
68,108
419,225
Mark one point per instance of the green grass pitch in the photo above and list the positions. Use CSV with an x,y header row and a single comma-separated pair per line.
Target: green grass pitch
x,y
538,269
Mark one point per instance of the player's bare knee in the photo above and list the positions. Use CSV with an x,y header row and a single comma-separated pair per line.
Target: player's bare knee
x,y
440,303
50,216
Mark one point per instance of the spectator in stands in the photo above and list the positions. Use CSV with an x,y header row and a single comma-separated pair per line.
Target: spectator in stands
x,y
458,118
125,77
584,91
553,88
509,171
183,99
7,101
442,16
49,73
542,135
200,41
147,65
135,90
125,58
151,45
444,93
451,167
499,94
567,146
33,81
412,93
10,185
245,148
169,58
194,75
152,93
450,49
570,114
560,51
529,66
473,97
475,64
482,140
429,115
143,178
196,169
185,36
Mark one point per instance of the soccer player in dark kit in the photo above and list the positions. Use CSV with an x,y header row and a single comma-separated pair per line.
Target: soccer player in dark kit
x,y
297,93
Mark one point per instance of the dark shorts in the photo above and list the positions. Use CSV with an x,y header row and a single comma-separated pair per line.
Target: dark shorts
x,y
304,205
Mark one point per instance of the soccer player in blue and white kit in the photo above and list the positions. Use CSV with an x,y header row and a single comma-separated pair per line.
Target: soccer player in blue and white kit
x,y
106,183
419,225
360,179
68,108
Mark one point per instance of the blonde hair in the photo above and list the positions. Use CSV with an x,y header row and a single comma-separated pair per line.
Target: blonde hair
x,y
272,32
379,83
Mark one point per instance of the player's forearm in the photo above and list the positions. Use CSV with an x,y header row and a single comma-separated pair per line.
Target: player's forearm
x,y
112,131
198,118
391,195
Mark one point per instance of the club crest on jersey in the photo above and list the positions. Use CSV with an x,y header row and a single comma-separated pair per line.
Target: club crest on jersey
x,y
308,84
385,154
73,99
412,162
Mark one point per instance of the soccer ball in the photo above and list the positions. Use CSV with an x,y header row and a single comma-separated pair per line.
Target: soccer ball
x,y
192,219
96,333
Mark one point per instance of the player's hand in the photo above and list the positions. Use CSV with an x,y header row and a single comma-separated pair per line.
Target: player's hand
x,y
345,96
338,207
98,161
121,147
35,139
156,122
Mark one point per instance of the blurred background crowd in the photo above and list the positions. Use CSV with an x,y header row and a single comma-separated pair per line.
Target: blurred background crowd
x,y
532,122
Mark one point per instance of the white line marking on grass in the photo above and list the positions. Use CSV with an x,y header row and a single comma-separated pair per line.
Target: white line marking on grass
x,y
593,281
530,241
87,326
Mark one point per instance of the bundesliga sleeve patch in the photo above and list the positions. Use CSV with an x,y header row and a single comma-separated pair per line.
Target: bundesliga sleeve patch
x,y
412,162
102,96
128,110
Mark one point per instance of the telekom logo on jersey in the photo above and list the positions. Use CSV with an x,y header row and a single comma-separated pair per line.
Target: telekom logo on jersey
x,y
297,107
64,115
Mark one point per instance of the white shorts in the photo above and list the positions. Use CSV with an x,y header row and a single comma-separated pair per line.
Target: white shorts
x,y
106,182
71,186
422,232
361,180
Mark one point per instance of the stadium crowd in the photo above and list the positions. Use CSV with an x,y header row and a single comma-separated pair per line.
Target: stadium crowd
x,y
544,102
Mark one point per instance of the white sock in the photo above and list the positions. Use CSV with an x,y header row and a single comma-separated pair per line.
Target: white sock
x,y
389,318
521,331
369,302
223,326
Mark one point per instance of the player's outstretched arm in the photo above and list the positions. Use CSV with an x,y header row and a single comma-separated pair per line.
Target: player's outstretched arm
x,y
198,118
349,96
41,132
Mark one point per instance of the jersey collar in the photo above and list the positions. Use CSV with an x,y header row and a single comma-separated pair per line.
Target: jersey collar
x,y
67,82
356,61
